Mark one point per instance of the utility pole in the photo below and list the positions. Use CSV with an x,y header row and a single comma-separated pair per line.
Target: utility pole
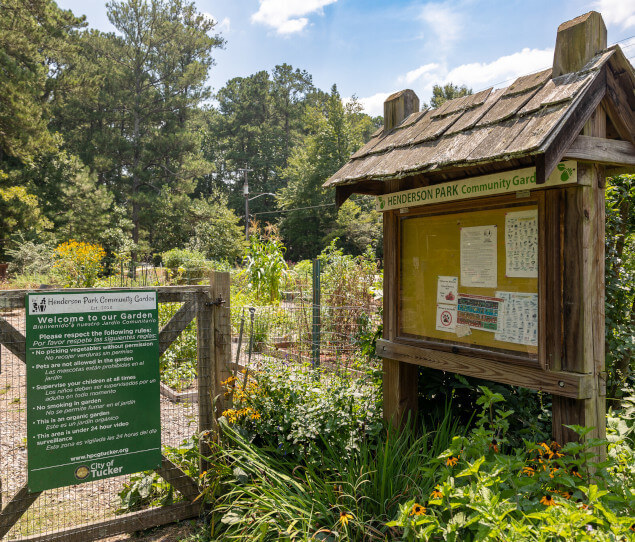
x,y
246,194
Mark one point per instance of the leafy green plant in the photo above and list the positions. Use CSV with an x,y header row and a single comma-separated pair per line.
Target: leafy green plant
x,y
185,265
286,408
177,365
266,266
620,283
486,490
148,489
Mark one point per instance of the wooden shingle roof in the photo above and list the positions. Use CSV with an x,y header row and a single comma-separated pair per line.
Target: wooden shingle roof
x,y
495,129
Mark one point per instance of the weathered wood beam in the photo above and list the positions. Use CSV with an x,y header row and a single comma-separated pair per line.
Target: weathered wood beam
x,y
181,481
577,386
177,324
137,521
581,112
14,509
602,151
577,41
618,108
12,339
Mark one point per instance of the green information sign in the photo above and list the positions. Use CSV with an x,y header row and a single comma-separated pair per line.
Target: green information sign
x,y
93,407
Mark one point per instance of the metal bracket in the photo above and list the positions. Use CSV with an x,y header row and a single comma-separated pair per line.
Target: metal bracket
x,y
216,303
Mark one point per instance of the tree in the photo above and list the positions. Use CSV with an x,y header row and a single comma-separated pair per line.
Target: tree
x,y
37,39
137,132
449,91
335,131
258,121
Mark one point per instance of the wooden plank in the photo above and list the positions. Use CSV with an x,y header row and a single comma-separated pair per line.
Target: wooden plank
x,y
579,113
137,521
618,108
12,339
14,509
205,371
551,255
560,383
601,151
181,481
400,391
177,324
219,290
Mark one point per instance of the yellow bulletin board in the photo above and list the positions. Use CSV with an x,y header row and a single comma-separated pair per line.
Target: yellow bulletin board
x,y
501,311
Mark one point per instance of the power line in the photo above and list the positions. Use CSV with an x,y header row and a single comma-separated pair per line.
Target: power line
x,y
296,209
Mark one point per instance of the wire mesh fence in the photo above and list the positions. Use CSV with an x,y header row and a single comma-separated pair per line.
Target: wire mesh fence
x,y
64,509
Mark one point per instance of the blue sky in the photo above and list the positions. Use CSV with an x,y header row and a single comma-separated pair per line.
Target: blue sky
x,y
371,48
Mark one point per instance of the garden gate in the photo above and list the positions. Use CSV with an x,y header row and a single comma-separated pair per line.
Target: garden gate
x,y
85,512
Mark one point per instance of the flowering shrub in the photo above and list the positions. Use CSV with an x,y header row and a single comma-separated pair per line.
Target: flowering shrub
x,y
288,409
78,264
481,490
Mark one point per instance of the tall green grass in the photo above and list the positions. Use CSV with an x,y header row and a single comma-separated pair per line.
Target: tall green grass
x,y
267,497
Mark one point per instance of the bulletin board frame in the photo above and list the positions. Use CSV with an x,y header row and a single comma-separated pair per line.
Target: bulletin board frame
x,y
533,357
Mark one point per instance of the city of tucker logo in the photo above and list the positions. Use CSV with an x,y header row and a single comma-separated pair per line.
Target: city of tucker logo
x,y
485,185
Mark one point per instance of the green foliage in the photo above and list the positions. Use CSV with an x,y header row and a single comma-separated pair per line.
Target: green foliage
x,y
449,91
266,266
148,489
29,257
620,282
177,365
287,409
264,495
36,43
482,488
20,213
185,265
334,131
358,226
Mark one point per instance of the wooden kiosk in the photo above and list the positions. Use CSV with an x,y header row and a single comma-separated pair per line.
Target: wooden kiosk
x,y
493,208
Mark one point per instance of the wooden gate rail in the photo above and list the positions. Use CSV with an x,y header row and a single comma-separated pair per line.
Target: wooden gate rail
x,y
210,306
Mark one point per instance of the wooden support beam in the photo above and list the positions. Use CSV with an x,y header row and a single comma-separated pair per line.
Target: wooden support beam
x,y
398,106
12,339
177,324
15,508
618,108
137,521
566,384
181,481
601,151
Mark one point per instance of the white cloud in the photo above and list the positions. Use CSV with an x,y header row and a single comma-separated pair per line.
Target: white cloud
x,y
288,16
221,26
419,72
374,105
479,75
617,12
445,22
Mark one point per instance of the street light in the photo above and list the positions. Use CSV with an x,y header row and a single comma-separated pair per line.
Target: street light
x,y
248,199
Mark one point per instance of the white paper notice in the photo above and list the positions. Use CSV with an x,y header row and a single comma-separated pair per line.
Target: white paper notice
x,y
446,318
478,256
518,318
447,290
521,244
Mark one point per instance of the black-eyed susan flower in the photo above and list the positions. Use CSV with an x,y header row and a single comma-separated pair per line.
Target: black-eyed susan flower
x,y
548,500
494,446
417,510
344,517
451,461
567,494
529,471
436,493
575,471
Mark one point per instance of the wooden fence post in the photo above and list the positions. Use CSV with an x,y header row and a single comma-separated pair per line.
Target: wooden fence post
x,y
219,292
